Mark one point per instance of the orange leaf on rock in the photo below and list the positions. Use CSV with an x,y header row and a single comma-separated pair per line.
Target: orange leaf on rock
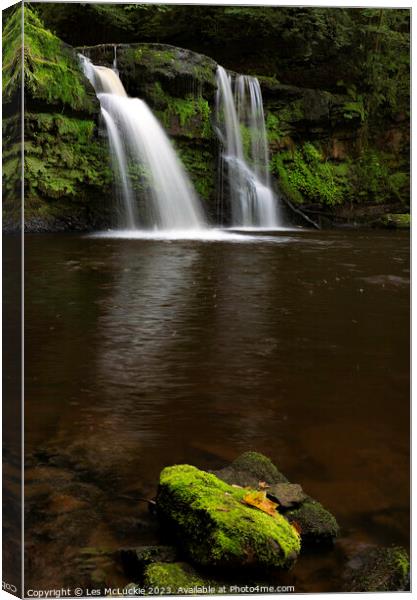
x,y
297,526
260,501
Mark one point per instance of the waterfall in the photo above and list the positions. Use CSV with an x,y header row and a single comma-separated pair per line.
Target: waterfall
x,y
141,150
127,218
241,128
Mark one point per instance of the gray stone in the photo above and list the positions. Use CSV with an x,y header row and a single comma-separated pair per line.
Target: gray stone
x,y
286,494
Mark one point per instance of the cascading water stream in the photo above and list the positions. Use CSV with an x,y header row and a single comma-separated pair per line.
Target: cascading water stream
x,y
129,217
139,145
240,118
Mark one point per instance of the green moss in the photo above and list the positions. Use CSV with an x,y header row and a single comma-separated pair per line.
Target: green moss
x,y
191,113
316,523
273,128
200,165
306,176
377,178
396,221
401,560
215,527
293,112
354,109
259,466
169,62
265,80
378,569
72,160
157,57
51,70
173,578
11,175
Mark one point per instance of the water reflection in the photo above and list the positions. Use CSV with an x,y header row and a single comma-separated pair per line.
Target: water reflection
x,y
144,353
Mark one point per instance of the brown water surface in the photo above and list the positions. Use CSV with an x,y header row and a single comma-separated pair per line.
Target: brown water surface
x,y
140,354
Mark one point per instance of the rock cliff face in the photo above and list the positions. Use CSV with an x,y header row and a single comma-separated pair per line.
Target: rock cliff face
x,y
67,181
317,151
318,157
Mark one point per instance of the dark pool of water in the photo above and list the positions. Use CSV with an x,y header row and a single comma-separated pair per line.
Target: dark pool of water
x,y
141,354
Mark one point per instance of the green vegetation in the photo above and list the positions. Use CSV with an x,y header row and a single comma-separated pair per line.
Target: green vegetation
x,y
259,466
66,168
364,49
185,109
191,113
396,221
235,534
306,176
378,569
173,578
51,71
63,160
60,155
314,521
200,165
335,82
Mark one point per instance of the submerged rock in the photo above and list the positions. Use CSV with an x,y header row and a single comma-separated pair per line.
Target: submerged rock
x,y
214,526
378,569
135,560
174,578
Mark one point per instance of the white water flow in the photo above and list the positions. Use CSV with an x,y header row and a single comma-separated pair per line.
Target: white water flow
x,y
129,216
241,124
141,150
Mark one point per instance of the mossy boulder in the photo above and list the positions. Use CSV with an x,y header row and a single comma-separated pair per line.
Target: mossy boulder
x,y
178,70
378,569
315,523
252,469
174,578
249,469
216,528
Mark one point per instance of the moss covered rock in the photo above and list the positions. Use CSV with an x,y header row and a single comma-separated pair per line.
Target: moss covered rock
x,y
174,578
66,172
66,164
249,469
378,569
178,70
135,560
312,520
315,523
214,526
